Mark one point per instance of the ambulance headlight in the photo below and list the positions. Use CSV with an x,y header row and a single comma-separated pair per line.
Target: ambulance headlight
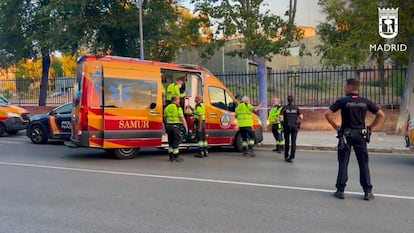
x,y
11,114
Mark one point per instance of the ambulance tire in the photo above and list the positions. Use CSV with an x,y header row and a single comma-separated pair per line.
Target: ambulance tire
x,y
38,135
237,144
126,153
12,132
2,130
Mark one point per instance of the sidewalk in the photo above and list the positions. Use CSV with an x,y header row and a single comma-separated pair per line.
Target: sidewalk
x,y
326,140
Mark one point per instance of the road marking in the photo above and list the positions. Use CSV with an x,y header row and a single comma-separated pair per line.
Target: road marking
x,y
198,179
12,142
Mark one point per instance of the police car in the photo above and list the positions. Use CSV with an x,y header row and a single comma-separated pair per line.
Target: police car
x,y
54,125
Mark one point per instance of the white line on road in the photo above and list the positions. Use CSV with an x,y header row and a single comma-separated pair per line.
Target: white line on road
x,y
12,142
197,179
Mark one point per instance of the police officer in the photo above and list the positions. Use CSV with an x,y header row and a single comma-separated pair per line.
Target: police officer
x,y
355,133
200,126
174,89
175,121
274,120
244,114
291,115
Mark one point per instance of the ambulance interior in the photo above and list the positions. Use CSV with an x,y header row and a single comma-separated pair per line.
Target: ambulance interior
x,y
192,86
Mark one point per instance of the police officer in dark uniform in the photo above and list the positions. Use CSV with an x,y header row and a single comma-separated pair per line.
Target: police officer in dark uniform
x,y
353,133
175,121
291,115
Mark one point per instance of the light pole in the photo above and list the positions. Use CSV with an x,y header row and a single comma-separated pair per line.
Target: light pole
x,y
141,33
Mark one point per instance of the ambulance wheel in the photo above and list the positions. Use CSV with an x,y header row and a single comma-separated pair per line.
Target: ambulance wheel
x,y
2,130
238,143
12,132
37,135
126,153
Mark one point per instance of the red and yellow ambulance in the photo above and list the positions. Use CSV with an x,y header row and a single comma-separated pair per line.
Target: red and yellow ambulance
x,y
118,105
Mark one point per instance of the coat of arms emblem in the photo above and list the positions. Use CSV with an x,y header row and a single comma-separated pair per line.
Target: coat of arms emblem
x,y
388,22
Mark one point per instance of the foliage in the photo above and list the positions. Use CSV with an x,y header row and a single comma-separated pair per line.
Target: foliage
x,y
260,34
352,25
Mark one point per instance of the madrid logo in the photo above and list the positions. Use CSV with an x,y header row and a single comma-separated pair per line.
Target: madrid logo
x,y
388,22
388,29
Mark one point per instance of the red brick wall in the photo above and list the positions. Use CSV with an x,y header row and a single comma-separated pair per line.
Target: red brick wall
x,y
314,120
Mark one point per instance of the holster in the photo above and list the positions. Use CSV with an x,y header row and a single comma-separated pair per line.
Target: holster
x,y
366,134
342,135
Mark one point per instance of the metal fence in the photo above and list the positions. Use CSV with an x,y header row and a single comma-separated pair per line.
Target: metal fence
x,y
321,87
311,87
25,91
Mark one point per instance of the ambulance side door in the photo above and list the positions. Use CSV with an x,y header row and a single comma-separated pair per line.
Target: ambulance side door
x,y
221,120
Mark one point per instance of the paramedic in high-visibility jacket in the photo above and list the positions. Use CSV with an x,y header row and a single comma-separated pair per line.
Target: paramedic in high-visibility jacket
x,y
244,115
200,126
175,122
275,122
174,90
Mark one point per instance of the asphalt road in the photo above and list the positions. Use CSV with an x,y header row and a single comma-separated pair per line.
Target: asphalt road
x,y
51,188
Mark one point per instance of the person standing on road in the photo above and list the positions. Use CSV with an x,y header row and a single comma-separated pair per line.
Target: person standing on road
x,y
244,115
175,121
200,127
291,124
275,122
353,133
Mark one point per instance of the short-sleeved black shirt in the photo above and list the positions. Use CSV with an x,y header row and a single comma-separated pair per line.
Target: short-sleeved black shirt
x,y
353,110
290,115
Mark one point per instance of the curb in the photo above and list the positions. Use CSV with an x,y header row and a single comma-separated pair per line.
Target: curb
x,y
334,148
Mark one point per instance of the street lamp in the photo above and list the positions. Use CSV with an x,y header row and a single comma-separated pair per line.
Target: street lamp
x,y
141,33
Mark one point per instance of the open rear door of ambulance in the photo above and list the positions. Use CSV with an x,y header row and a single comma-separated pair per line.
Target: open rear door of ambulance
x,y
132,108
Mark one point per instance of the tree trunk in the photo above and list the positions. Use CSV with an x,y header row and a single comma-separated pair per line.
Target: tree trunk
x,y
406,106
262,77
45,78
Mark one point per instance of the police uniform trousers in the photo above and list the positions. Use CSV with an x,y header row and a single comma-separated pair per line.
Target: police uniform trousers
x,y
248,137
290,133
174,139
360,147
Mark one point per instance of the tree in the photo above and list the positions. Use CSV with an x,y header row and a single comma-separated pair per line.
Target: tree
x,y
11,34
262,34
352,26
35,29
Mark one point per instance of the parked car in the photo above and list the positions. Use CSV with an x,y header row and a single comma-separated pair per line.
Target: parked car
x,y
54,125
12,118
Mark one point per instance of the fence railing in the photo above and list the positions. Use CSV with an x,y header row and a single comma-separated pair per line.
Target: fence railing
x,y
321,87
310,87
25,91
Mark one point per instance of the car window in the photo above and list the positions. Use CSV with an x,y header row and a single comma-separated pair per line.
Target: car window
x,y
64,109
219,98
3,100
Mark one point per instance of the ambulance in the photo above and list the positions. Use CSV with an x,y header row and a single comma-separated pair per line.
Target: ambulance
x,y
118,105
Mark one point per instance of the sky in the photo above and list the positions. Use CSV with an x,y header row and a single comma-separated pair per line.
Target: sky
x,y
308,12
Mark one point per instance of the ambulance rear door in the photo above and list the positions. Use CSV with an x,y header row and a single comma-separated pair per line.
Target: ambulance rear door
x,y
132,107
